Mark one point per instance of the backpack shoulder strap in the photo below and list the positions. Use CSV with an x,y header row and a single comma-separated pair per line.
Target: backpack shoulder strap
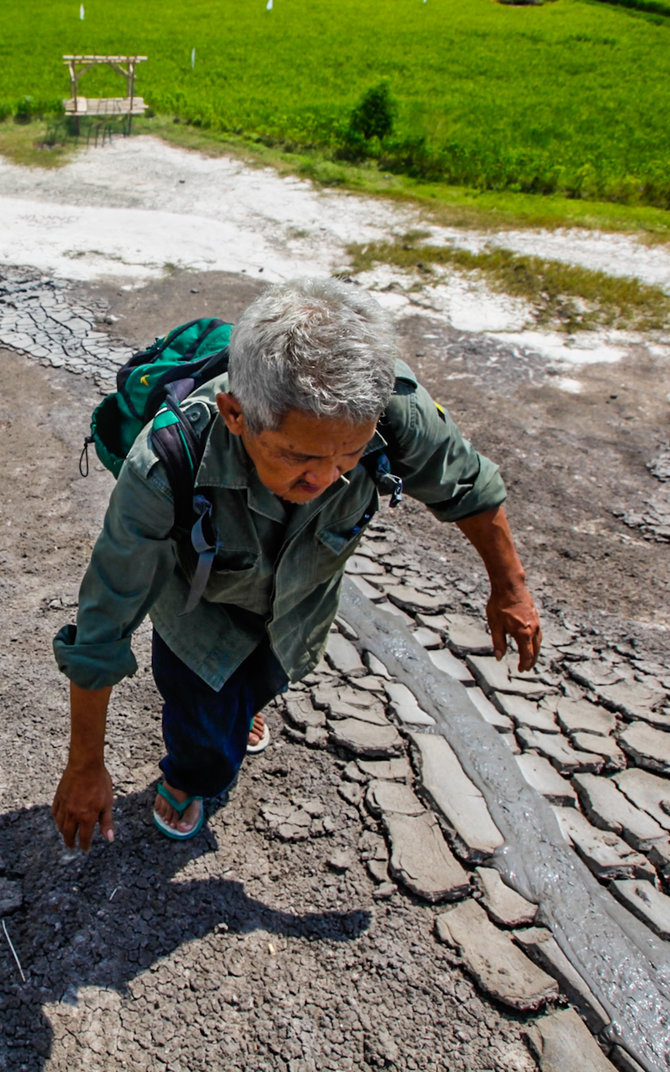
x,y
181,448
176,444
376,458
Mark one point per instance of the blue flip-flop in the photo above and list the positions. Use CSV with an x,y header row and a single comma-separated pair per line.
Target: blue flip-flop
x,y
180,808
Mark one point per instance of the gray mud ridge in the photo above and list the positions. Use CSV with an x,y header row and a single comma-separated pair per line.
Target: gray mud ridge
x,y
654,521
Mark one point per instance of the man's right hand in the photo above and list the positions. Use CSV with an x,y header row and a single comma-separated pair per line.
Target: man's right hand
x,y
84,798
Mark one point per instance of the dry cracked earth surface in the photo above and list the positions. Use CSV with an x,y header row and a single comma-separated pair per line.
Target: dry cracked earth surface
x,y
299,933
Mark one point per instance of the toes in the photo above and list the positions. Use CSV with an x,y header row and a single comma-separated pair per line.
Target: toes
x,y
170,817
257,730
167,814
189,818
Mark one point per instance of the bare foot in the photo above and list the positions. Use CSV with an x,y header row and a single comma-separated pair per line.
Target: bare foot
x,y
257,730
169,815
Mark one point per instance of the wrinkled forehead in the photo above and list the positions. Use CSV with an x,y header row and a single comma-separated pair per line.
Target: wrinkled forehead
x,y
306,434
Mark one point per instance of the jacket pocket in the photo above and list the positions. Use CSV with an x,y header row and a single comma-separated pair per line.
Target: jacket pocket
x,y
336,542
237,578
235,560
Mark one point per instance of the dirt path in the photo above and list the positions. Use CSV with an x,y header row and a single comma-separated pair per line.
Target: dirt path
x,y
264,952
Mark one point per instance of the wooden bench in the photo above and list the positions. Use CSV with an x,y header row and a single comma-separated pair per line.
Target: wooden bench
x,y
78,106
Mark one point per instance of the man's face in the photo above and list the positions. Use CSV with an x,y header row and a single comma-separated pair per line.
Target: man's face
x,y
305,455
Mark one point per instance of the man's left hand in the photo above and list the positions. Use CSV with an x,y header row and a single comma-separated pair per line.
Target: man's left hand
x,y
515,615
511,611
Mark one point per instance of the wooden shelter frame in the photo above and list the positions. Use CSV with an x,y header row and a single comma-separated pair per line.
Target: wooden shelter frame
x,y
129,105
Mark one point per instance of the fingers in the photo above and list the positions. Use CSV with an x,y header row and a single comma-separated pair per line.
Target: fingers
x,y
497,629
70,825
82,800
66,826
522,625
498,639
527,654
528,641
518,619
107,824
537,644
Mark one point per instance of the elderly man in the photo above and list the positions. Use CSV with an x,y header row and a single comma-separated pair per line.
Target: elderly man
x,y
313,393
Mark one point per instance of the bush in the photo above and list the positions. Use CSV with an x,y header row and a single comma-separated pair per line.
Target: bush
x,y
25,110
655,7
370,121
352,147
29,108
414,157
375,115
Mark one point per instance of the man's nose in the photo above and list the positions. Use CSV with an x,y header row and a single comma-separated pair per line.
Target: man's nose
x,y
323,472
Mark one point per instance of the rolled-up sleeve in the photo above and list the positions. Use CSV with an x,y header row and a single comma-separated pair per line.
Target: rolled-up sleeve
x,y
438,465
132,560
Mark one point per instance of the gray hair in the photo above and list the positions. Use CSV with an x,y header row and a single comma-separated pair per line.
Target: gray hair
x,y
316,345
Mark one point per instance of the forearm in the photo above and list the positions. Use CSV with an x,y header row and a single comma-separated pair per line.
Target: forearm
x,y
490,535
84,795
510,610
88,721
132,561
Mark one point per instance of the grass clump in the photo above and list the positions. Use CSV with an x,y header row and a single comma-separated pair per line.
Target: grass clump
x,y
47,145
566,295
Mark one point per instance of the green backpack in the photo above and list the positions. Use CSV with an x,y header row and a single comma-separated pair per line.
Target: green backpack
x,y
151,387
158,378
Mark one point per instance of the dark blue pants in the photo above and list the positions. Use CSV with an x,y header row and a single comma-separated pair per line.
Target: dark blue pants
x,y
205,731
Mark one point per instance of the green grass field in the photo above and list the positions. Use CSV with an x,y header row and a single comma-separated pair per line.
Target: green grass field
x,y
570,97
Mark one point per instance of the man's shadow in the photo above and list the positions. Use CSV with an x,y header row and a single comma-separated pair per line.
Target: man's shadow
x,y
101,919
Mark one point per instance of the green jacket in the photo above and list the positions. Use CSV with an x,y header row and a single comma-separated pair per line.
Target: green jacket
x,y
278,566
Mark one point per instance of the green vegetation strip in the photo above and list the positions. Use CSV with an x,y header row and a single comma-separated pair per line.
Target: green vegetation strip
x,y
572,297
47,144
568,98
656,7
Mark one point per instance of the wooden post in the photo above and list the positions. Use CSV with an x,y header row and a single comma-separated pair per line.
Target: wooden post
x,y
73,92
131,92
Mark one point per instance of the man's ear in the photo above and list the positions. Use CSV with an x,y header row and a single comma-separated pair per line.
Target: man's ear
x,y
231,412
